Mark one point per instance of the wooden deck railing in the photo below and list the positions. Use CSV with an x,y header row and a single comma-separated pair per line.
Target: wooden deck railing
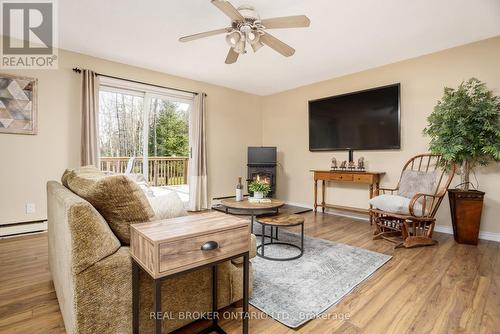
x,y
162,171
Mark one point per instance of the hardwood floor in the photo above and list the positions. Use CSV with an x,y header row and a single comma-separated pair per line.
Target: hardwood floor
x,y
448,288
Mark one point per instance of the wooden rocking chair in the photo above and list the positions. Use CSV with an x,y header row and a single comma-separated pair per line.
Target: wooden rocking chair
x,y
417,226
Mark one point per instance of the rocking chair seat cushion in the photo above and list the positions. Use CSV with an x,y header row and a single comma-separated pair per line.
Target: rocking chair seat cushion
x,y
394,204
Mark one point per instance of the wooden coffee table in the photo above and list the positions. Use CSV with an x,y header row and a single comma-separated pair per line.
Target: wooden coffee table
x,y
251,209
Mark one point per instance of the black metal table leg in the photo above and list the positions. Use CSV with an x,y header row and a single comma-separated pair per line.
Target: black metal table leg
x,y
135,297
157,305
245,314
263,238
302,239
214,296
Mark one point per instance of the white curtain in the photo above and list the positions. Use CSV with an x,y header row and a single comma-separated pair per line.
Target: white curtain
x,y
198,190
90,109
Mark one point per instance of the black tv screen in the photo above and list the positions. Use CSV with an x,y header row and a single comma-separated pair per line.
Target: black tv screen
x,y
365,120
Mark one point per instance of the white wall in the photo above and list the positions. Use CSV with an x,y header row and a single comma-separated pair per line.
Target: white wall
x,y
28,162
285,125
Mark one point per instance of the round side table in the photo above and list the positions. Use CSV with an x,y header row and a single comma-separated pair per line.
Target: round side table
x,y
277,221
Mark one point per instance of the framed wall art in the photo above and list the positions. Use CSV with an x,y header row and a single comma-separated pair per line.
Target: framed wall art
x,y
18,104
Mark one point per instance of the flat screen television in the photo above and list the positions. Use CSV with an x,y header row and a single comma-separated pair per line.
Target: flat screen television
x,y
364,120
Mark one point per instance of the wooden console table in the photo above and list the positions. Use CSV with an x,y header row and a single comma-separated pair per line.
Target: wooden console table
x,y
370,178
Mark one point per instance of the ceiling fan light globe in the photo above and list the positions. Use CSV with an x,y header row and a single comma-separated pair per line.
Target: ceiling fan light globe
x,y
253,37
233,38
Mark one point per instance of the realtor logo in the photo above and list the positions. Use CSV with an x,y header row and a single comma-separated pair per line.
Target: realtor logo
x,y
28,35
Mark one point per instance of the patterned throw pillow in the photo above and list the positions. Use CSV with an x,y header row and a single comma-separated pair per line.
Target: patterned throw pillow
x,y
414,182
167,206
117,198
67,172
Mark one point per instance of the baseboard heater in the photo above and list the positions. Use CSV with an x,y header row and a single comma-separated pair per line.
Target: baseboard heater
x,y
24,228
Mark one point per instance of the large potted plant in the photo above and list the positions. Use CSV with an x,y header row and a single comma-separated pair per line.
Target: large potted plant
x,y
464,128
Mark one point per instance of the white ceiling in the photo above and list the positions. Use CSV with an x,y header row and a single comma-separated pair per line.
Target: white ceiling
x,y
345,36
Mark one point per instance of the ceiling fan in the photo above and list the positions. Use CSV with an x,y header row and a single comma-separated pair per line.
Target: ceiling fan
x,y
248,27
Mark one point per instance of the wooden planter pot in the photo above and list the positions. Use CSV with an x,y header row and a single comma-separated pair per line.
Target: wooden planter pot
x,y
466,208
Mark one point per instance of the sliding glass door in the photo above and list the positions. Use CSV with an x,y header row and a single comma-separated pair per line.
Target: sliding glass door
x,y
121,130
145,131
168,143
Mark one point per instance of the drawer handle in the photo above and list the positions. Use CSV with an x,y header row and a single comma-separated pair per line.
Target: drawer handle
x,y
209,245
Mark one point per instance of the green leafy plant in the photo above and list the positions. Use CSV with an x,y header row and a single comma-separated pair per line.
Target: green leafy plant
x,y
464,127
259,186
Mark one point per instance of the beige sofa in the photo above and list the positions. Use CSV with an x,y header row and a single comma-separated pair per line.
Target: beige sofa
x,y
91,270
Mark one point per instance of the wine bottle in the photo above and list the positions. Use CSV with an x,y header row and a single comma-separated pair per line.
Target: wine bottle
x,y
239,191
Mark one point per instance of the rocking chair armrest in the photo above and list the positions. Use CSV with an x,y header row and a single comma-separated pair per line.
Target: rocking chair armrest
x,y
383,190
425,200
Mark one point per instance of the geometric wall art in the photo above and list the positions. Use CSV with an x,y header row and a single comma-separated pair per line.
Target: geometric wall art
x,y
18,104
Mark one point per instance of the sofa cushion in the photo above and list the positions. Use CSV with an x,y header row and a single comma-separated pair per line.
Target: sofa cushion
x,y
394,204
117,198
67,172
167,206
414,182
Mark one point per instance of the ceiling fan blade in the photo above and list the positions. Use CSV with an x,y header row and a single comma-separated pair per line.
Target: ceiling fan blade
x,y
203,34
232,56
298,21
227,8
277,45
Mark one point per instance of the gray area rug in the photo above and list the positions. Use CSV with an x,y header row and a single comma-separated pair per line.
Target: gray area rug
x,y
294,292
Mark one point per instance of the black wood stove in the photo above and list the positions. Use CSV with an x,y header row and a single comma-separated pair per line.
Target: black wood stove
x,y
261,165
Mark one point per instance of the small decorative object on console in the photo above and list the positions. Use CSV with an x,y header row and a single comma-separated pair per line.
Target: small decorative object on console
x,y
343,165
361,164
334,164
352,165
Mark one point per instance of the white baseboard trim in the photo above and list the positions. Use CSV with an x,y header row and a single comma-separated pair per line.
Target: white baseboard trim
x,y
335,212
443,229
22,228
484,235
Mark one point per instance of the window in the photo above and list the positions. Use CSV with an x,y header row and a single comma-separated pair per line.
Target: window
x,y
145,130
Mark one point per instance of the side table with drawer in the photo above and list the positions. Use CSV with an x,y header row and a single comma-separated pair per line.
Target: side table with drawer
x,y
171,247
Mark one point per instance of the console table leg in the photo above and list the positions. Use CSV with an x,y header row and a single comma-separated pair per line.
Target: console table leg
x,y
157,305
323,196
245,292
315,196
371,196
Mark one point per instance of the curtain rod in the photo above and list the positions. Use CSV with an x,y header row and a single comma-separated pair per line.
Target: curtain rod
x,y
78,70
